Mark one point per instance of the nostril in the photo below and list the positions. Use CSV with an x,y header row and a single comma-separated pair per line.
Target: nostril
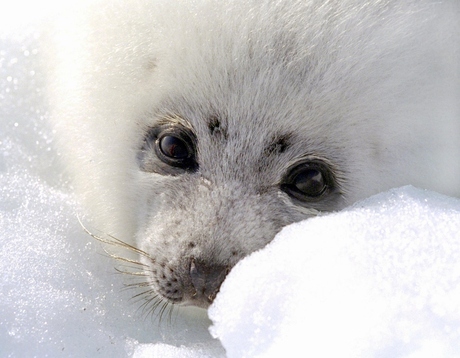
x,y
206,279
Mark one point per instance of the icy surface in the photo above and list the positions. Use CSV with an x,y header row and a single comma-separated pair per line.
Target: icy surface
x,y
379,279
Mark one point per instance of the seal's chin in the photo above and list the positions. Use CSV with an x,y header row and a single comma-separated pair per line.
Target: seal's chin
x,y
196,303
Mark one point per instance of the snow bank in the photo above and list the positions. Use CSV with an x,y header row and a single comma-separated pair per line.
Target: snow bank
x,y
381,279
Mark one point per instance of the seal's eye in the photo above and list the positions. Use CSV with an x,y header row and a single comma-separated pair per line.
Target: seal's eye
x,y
307,181
168,149
173,147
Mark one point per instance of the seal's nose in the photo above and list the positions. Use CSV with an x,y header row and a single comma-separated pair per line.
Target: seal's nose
x,y
206,280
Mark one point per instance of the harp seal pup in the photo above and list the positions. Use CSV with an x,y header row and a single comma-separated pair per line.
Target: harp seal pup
x,y
194,131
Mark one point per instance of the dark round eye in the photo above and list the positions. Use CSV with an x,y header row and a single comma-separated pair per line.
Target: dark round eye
x,y
173,147
169,149
308,181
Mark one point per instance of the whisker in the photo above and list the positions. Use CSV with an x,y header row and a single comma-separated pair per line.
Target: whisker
x,y
170,313
147,292
162,310
151,302
135,285
132,273
124,259
147,301
115,242
153,308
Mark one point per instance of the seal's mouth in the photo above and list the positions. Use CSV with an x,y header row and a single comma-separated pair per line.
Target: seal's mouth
x,y
192,282
188,282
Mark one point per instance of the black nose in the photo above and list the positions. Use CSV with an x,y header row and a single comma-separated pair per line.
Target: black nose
x,y
206,280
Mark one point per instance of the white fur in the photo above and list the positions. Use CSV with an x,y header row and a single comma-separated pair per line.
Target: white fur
x,y
373,86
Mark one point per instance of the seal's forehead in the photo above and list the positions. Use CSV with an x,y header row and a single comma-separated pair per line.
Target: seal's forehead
x,y
236,145
221,130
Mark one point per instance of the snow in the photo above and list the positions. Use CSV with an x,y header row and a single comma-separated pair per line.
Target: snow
x,y
379,279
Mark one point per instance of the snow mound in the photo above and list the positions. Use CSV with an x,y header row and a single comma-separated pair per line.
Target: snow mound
x,y
381,279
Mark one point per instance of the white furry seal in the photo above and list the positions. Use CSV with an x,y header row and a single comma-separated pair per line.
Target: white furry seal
x,y
196,130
